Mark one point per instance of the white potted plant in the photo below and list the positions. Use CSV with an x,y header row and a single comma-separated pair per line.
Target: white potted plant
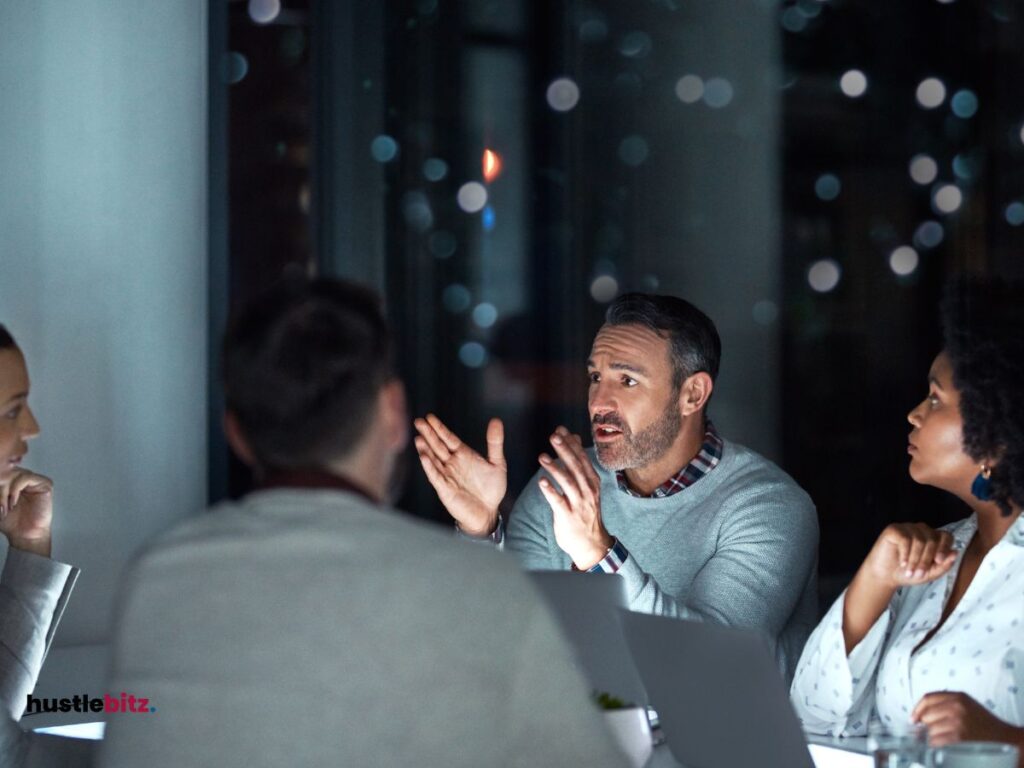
x,y
629,727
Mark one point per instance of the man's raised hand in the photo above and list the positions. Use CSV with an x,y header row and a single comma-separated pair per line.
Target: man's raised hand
x,y
575,500
469,485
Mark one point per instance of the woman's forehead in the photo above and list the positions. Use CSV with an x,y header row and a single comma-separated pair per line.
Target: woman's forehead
x,y
13,376
942,370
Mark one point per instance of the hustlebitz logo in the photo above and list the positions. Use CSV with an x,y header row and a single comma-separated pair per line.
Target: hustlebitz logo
x,y
127,702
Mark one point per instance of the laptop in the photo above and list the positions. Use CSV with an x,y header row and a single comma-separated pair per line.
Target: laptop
x,y
589,608
718,693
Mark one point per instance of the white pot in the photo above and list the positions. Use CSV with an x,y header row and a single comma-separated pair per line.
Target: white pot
x,y
632,732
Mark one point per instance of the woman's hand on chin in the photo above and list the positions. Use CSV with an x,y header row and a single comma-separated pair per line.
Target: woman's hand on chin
x,y
26,511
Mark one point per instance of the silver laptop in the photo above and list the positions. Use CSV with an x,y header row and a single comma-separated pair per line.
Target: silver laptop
x,y
589,607
718,693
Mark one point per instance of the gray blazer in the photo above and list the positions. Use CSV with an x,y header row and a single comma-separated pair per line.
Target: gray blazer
x,y
310,627
33,593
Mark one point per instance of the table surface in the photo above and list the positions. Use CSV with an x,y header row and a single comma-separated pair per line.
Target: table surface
x,y
850,752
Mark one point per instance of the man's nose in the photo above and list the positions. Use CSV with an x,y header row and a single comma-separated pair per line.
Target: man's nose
x,y
601,401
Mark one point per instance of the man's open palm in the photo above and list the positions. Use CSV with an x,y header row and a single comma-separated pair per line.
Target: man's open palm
x,y
470,486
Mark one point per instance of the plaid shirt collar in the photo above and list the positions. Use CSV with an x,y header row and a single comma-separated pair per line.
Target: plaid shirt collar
x,y
706,459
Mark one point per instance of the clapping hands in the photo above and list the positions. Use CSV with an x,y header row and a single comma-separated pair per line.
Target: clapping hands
x,y
472,486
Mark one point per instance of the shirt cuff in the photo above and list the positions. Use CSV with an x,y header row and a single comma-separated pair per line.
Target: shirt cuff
x,y
496,537
611,562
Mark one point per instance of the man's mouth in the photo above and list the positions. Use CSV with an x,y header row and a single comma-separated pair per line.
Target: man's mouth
x,y
605,432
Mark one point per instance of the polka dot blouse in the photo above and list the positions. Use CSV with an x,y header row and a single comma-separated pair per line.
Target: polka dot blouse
x,y
979,650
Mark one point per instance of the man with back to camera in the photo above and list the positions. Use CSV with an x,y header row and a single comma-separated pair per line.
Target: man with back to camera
x,y
698,526
309,623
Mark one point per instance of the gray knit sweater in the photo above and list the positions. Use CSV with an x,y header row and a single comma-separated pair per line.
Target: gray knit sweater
x,y
738,547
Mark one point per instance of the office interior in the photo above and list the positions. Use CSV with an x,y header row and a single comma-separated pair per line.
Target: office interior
x,y
809,173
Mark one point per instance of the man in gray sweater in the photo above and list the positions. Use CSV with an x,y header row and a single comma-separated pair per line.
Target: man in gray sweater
x,y
309,623
699,527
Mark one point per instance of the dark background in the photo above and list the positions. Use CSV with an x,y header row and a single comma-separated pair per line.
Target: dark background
x,y
343,132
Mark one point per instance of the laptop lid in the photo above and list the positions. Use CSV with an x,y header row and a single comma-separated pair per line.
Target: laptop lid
x,y
588,606
718,693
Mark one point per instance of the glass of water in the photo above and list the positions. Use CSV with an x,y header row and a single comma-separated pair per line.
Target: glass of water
x,y
975,754
898,746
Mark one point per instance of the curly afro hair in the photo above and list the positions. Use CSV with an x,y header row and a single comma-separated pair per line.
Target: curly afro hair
x,y
983,327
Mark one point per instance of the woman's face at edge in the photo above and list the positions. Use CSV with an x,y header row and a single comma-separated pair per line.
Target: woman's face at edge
x,y
935,443
17,423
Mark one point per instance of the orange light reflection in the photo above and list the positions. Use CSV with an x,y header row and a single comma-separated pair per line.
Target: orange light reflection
x,y
491,165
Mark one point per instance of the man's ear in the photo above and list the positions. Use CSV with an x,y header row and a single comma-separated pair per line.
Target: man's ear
x,y
236,439
695,393
394,415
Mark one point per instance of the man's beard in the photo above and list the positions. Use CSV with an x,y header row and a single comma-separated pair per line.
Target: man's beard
x,y
645,447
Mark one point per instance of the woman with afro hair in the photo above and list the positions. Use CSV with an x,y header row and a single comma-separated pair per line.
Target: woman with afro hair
x,y
931,629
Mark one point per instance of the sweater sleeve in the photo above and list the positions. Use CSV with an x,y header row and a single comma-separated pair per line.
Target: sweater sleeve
x,y
765,554
528,534
833,693
33,593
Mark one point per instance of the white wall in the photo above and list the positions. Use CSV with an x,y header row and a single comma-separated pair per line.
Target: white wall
x,y
103,269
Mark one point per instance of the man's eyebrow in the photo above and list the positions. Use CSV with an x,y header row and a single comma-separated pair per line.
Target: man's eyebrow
x,y
19,396
622,367
933,379
628,367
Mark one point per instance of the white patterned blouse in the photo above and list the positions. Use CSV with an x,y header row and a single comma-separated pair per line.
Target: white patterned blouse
x,y
978,651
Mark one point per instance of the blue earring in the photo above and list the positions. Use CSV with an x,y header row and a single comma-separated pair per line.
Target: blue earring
x,y
982,485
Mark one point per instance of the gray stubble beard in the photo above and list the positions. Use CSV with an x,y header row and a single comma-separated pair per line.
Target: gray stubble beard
x,y
647,446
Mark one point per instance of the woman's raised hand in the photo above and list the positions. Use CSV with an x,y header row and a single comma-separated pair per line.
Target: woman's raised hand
x,y
907,554
469,485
